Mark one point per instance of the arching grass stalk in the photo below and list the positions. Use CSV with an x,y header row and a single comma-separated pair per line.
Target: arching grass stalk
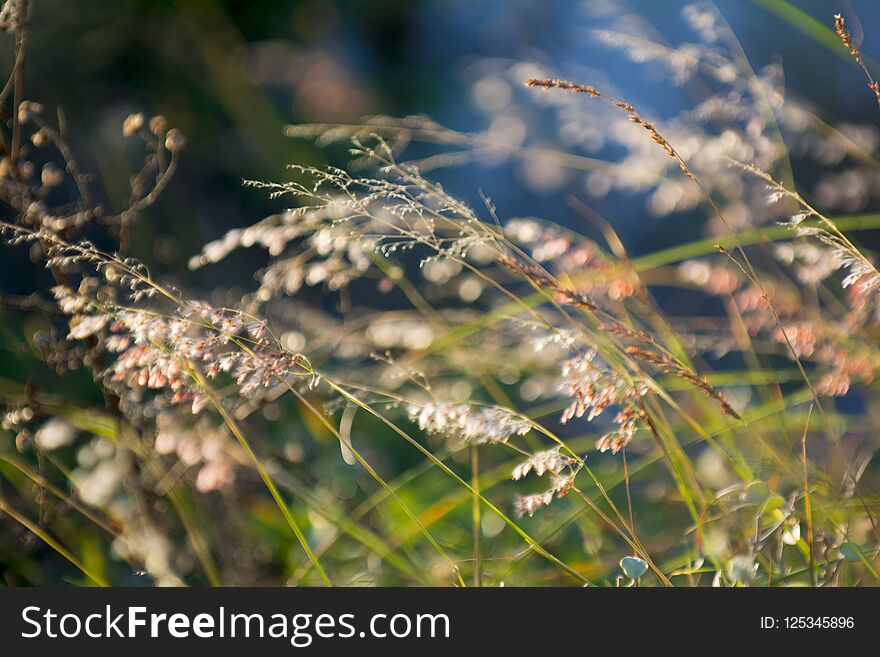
x,y
264,475
442,466
38,531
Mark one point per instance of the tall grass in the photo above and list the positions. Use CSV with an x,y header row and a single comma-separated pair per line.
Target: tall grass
x,y
474,399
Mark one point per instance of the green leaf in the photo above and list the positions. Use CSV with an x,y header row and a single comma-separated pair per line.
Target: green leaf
x,y
633,567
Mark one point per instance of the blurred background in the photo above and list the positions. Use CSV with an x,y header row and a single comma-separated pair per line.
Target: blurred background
x,y
231,75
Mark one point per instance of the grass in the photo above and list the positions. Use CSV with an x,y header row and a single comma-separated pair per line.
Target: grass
x,y
473,390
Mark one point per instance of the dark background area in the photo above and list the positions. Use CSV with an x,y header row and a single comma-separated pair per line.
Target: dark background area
x,y
231,74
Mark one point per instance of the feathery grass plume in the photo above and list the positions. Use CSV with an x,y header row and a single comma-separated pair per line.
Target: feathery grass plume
x,y
667,364
842,252
464,422
596,387
543,462
635,117
529,504
846,37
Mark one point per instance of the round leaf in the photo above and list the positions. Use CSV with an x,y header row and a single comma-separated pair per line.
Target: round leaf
x,y
633,567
